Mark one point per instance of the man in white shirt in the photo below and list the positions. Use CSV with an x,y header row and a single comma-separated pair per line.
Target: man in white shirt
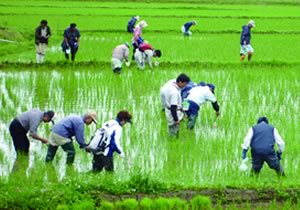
x,y
171,101
197,96
261,138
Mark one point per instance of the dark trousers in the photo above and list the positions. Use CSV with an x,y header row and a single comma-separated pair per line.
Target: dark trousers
x,y
192,114
68,148
271,159
19,137
101,162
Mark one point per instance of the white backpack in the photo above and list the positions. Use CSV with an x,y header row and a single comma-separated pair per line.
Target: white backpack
x,y
99,141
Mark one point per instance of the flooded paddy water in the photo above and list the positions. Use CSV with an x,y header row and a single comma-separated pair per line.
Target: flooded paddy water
x,y
204,156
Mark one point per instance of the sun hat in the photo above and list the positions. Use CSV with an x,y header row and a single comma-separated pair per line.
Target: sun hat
x,y
92,114
143,24
252,23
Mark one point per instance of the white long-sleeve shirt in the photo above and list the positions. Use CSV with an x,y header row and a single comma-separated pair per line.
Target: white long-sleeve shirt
x,y
201,94
279,141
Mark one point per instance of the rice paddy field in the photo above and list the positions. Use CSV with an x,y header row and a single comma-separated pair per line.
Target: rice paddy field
x,y
206,158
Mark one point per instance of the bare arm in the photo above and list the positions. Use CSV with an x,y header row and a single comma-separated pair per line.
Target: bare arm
x,y
37,137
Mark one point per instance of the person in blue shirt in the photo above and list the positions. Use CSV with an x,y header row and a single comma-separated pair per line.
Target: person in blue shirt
x,y
246,48
62,133
185,29
131,23
71,41
261,138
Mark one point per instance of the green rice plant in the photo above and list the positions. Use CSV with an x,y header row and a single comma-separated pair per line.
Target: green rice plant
x,y
146,203
105,205
200,202
127,204
287,205
84,205
62,207
162,204
179,204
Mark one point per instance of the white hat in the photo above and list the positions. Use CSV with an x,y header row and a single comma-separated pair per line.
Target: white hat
x,y
137,18
142,24
252,23
195,22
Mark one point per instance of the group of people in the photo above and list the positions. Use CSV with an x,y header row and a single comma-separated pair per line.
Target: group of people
x,y
143,52
181,97
62,133
69,45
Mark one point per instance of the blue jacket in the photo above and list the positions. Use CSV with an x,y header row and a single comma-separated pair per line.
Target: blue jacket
x,y
131,24
246,35
70,126
188,25
72,36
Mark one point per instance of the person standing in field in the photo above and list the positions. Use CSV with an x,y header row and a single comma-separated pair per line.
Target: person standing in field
x,y
246,48
106,141
197,96
261,138
42,34
170,95
120,53
144,54
131,23
28,121
71,41
137,36
185,29
62,133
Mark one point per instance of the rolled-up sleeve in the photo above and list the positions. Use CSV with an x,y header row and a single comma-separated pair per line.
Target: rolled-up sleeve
x,y
247,139
279,141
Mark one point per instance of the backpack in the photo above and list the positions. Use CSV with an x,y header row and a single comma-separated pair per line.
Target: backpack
x,y
99,141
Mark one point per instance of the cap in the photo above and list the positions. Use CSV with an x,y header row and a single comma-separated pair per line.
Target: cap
x,y
137,18
143,24
125,115
92,114
263,119
73,25
195,22
202,84
252,23
212,87
51,115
